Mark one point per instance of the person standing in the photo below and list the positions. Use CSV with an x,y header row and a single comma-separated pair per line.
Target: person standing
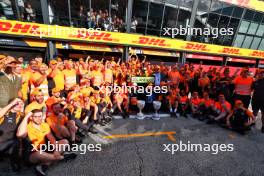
x,y
243,87
10,84
258,97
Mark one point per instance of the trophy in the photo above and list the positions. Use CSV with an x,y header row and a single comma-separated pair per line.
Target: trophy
x,y
156,106
140,105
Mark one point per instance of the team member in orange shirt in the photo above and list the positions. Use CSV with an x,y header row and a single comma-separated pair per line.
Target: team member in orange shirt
x,y
26,75
243,87
108,73
205,106
53,99
121,102
195,103
220,110
70,76
56,74
203,83
37,131
39,80
62,127
97,76
184,104
37,103
173,99
174,75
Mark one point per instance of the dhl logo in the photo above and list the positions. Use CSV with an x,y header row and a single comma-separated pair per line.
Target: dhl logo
x,y
151,41
51,31
196,46
95,35
230,51
257,54
21,28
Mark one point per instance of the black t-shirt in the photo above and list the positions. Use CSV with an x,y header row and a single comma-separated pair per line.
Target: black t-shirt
x,y
8,128
258,87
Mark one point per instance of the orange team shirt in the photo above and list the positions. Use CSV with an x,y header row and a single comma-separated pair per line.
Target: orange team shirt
x,y
43,86
196,101
219,107
184,99
108,76
208,102
174,77
243,85
58,79
97,78
53,120
173,94
69,78
86,91
181,78
95,100
37,136
192,74
203,82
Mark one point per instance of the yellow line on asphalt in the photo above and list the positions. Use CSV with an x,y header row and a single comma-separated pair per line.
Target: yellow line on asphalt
x,y
168,133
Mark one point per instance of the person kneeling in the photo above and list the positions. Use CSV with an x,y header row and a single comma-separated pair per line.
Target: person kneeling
x,y
220,111
240,119
61,125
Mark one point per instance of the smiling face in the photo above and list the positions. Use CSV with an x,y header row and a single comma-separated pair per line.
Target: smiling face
x,y
37,118
39,98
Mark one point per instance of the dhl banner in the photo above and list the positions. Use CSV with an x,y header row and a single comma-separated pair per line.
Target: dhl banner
x,y
251,4
88,47
41,31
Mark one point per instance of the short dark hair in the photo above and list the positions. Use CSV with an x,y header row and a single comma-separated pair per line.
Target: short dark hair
x,y
37,110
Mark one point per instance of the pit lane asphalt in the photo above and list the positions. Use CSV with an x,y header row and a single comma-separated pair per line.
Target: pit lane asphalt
x,y
144,156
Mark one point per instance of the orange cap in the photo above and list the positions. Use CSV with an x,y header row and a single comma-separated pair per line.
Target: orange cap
x,y
36,92
238,102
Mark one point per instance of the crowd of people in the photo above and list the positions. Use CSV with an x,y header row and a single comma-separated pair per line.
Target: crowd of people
x,y
25,11
62,102
86,18
100,19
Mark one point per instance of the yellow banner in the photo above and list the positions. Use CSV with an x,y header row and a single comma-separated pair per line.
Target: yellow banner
x,y
41,31
251,4
36,43
88,47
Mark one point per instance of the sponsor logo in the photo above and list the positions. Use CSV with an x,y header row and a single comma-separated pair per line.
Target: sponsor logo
x,y
196,47
230,51
151,41
257,54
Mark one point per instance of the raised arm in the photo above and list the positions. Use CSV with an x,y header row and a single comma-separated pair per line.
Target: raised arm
x,y
22,129
4,110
